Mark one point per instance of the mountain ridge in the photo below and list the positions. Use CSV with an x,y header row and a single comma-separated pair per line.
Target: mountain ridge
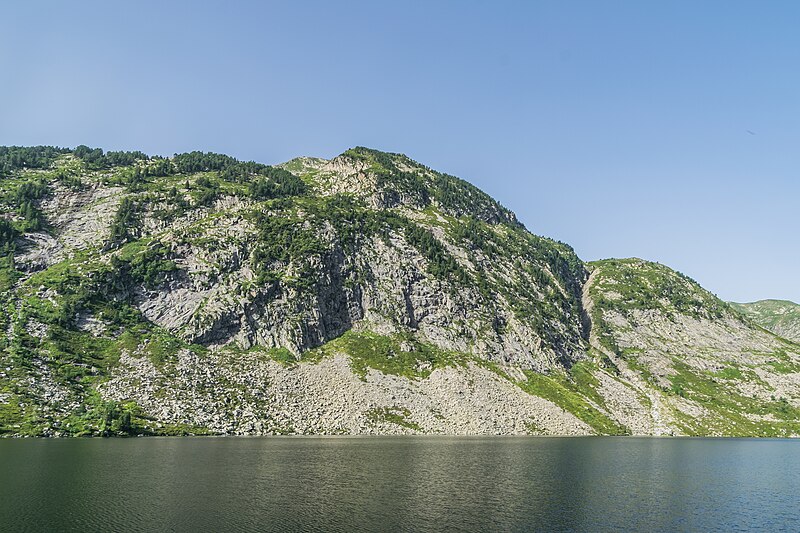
x,y
367,293
781,317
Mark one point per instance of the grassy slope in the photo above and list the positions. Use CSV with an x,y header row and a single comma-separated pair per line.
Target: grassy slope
x,y
781,317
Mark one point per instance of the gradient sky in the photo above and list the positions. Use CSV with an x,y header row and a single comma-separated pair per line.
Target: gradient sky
x,y
667,131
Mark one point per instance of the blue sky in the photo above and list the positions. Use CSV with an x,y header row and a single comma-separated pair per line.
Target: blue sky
x,y
668,131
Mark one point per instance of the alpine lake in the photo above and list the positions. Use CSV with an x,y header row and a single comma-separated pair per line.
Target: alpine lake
x,y
400,484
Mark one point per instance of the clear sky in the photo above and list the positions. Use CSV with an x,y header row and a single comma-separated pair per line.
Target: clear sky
x,y
664,130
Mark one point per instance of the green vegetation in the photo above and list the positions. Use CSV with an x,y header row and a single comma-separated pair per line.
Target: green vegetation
x,y
97,417
289,234
8,233
26,197
263,182
15,158
271,182
137,178
454,196
126,225
8,274
21,196
781,317
544,288
21,157
572,391
161,347
399,355
192,162
142,262
728,411
296,233
286,240
393,415
283,356
78,360
783,364
123,159
205,191
629,284
441,264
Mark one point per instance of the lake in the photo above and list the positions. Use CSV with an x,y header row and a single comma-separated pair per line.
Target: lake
x,y
399,484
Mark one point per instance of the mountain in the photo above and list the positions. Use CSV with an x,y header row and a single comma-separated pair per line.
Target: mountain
x,y
690,363
781,317
199,294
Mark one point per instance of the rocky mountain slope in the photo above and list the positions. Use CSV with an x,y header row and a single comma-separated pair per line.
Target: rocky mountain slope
x,y
363,294
781,317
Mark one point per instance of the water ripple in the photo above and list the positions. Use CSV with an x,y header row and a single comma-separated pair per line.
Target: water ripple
x,y
400,484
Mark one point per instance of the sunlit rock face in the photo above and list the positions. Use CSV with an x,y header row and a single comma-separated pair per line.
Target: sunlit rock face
x,y
362,294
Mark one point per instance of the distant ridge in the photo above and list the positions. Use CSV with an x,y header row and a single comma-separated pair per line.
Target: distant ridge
x,y
781,317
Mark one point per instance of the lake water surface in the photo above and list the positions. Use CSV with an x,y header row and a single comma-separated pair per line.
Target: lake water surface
x,y
399,484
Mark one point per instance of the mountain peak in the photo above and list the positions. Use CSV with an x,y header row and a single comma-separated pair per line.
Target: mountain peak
x,y
399,180
388,180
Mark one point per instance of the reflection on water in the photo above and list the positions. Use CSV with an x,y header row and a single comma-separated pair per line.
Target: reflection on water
x,y
399,484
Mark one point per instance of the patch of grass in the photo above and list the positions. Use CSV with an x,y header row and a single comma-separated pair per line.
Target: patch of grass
x,y
393,415
532,428
144,261
71,346
729,373
582,377
16,418
283,356
162,347
399,355
97,417
570,394
783,364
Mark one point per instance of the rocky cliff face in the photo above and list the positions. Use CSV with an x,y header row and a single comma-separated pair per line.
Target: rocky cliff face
x,y
363,294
